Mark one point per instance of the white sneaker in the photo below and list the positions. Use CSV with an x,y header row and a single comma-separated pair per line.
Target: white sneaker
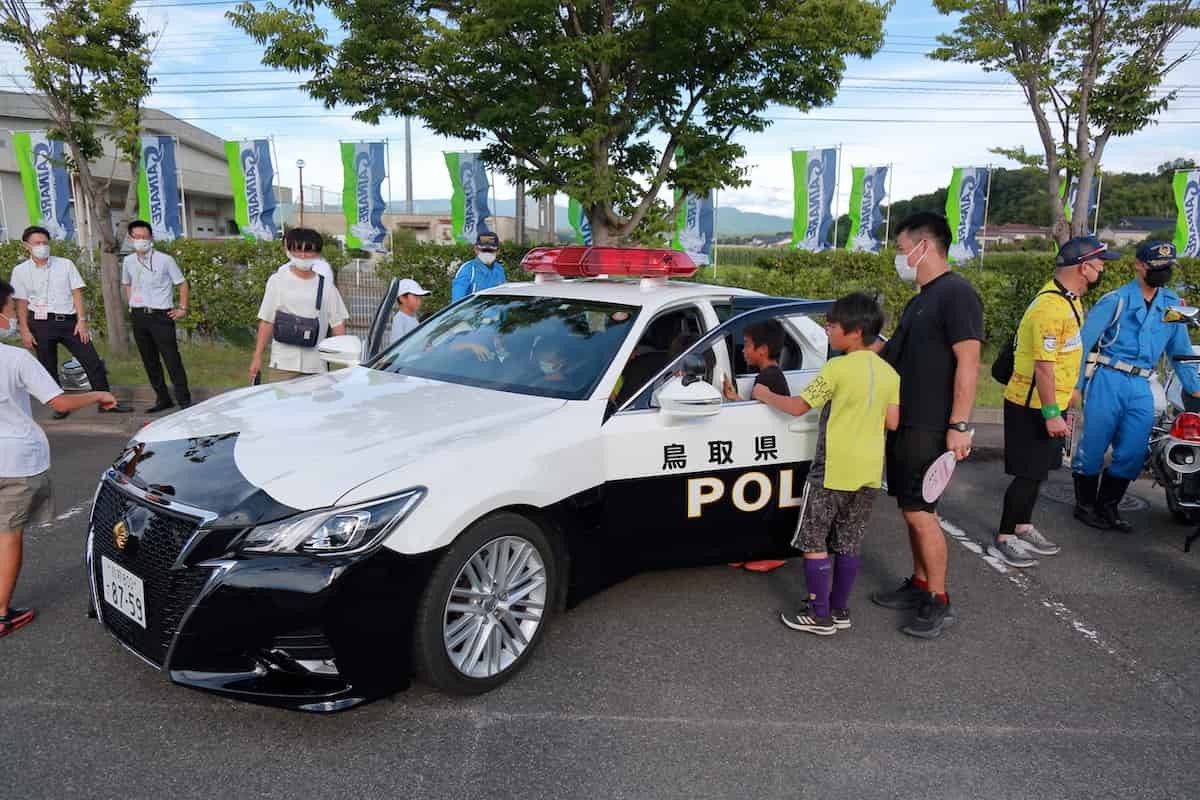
x,y
1033,541
1011,552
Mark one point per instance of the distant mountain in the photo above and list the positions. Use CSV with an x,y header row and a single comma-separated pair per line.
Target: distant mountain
x,y
731,221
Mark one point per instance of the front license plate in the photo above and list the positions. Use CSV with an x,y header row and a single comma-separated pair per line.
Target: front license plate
x,y
123,590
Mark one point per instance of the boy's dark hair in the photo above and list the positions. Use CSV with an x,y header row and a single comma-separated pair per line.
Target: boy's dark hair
x,y
303,239
31,230
6,291
140,223
928,225
768,332
858,312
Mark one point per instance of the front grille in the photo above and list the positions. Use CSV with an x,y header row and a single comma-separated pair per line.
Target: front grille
x,y
151,556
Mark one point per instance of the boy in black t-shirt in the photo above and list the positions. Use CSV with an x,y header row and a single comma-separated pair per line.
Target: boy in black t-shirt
x,y
762,344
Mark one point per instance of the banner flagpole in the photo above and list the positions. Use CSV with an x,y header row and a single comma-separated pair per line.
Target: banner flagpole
x,y
276,215
1096,216
837,187
387,156
182,191
987,199
715,237
887,226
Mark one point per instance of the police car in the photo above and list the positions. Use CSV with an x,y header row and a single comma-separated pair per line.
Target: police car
x,y
314,544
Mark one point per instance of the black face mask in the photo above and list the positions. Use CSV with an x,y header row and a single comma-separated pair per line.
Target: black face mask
x,y
1158,277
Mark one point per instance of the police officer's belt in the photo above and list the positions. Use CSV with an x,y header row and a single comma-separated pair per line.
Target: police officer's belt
x,y
1121,366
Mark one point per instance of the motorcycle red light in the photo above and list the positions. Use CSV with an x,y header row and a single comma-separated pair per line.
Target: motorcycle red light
x,y
579,261
1187,427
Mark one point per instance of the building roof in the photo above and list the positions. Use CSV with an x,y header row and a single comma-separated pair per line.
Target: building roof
x,y
1143,223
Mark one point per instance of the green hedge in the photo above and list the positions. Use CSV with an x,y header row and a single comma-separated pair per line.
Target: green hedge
x,y
227,278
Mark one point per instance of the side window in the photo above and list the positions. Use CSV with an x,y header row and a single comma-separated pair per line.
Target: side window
x,y
791,354
667,335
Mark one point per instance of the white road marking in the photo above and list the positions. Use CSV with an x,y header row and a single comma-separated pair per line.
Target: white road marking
x,y
1163,682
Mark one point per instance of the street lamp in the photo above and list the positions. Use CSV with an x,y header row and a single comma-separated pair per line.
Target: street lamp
x,y
300,166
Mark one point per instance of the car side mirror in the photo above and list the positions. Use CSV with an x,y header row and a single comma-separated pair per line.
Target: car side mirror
x,y
697,398
341,350
1185,314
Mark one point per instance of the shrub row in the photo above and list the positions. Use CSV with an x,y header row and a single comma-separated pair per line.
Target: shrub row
x,y
227,278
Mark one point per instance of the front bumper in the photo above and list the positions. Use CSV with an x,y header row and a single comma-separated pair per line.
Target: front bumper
x,y
300,632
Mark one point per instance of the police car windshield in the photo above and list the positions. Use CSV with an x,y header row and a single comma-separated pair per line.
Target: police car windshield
x,y
547,346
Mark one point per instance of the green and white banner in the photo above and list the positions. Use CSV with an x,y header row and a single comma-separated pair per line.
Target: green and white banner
x,y
364,166
579,222
251,176
469,202
46,183
814,173
867,190
159,200
966,211
1187,200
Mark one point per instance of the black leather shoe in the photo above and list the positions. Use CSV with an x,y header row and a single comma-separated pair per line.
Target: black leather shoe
x,y
160,406
1108,501
187,404
119,408
61,414
1093,517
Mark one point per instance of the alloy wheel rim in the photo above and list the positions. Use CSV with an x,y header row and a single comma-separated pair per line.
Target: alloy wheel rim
x,y
495,607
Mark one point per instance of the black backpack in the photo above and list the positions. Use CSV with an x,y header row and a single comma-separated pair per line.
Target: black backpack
x,y
1002,367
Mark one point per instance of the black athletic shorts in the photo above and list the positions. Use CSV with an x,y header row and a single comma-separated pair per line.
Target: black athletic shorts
x,y
1029,451
910,451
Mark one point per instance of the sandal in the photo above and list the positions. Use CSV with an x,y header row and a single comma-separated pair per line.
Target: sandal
x,y
14,619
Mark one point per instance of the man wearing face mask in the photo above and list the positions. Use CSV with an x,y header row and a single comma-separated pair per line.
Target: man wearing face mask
x,y
150,278
1118,409
306,299
935,350
481,272
50,310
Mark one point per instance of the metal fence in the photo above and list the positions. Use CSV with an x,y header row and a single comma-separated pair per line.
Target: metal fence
x,y
362,288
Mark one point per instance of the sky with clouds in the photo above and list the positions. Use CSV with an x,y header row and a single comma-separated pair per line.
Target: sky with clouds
x,y
922,116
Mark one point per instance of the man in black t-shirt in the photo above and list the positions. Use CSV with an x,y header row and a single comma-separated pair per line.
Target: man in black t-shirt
x,y
935,348
762,344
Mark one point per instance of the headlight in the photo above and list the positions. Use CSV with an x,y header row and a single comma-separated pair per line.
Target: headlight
x,y
339,531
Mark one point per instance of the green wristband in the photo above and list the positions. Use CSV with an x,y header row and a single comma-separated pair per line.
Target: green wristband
x,y
1051,411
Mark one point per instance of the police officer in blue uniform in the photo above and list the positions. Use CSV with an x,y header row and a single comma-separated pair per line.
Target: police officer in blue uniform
x,y
1118,409
481,272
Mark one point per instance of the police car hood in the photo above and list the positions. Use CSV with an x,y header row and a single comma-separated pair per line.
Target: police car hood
x,y
308,442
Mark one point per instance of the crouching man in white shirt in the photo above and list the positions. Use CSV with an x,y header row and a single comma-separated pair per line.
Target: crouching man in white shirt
x,y
25,493
301,292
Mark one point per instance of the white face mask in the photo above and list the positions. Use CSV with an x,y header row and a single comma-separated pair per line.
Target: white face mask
x,y
9,329
303,264
488,258
142,245
904,271
41,251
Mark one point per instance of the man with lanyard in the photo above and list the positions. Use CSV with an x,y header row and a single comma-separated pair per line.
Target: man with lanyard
x,y
481,272
150,278
1118,409
49,294
1045,368
935,349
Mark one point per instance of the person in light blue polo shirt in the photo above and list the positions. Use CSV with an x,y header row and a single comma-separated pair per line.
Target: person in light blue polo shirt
x,y
481,272
1118,409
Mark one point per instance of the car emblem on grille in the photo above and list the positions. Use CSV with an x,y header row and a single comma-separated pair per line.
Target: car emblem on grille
x,y
120,534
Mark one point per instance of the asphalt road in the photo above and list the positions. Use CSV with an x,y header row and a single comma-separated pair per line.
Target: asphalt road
x,y
1077,678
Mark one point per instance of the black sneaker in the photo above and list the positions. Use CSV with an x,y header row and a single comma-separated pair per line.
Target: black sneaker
x,y
15,618
841,618
907,596
803,620
61,414
932,618
161,405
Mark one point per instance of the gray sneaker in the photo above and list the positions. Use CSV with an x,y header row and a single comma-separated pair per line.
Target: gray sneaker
x,y
1011,552
1035,542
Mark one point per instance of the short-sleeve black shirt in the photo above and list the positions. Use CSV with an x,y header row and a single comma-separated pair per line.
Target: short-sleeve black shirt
x,y
773,378
945,312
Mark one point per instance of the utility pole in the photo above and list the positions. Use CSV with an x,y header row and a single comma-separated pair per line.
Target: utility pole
x,y
519,211
408,182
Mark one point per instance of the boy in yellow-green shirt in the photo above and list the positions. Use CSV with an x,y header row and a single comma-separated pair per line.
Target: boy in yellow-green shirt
x,y
863,393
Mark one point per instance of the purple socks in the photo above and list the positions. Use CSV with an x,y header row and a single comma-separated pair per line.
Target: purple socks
x,y
817,574
846,570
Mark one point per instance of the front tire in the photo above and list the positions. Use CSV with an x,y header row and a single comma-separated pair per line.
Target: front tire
x,y
486,605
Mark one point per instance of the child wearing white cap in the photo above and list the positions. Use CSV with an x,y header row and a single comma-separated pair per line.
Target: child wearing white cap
x,y
409,298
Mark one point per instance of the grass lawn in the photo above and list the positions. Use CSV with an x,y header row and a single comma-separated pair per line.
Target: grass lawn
x,y
209,364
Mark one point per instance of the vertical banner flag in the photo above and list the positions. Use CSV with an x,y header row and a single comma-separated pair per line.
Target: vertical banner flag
x,y
814,173
1069,195
47,185
363,170
966,203
158,188
694,232
1187,200
469,202
579,222
867,191
252,177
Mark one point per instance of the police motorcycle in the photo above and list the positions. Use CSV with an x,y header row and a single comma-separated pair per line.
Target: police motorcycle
x,y
1174,451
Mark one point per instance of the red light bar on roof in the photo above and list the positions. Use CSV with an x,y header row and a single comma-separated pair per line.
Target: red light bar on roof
x,y
579,261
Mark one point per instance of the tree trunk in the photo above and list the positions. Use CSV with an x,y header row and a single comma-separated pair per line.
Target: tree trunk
x,y
110,265
602,233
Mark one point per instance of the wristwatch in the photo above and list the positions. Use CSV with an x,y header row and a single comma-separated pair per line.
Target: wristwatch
x,y
961,427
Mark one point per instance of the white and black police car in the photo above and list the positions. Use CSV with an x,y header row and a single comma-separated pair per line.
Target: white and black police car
x,y
316,543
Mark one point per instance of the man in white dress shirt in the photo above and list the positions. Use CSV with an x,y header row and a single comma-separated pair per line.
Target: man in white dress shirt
x,y
49,295
150,278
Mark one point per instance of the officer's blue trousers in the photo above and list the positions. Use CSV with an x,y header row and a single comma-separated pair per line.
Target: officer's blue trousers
x,y
1118,410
